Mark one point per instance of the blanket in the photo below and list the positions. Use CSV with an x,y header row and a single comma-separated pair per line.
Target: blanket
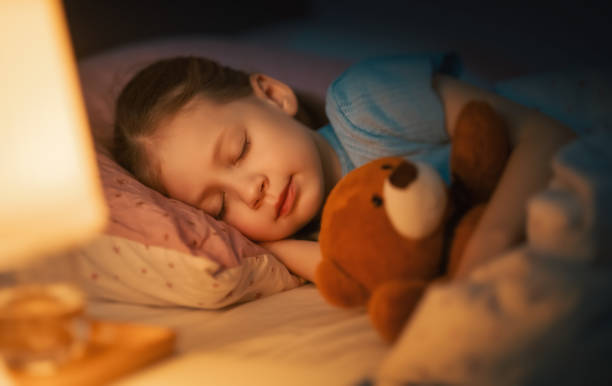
x,y
539,314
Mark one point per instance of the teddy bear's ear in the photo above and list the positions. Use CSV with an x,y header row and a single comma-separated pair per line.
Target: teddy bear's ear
x,y
415,199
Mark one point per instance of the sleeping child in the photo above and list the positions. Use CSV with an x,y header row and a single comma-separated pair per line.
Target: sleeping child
x,y
245,149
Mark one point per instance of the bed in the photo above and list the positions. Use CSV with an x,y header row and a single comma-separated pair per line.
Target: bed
x,y
541,310
292,337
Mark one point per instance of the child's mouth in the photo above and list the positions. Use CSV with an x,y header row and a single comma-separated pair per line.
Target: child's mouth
x,y
285,202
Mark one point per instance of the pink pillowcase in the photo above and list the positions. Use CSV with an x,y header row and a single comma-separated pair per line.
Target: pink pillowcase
x,y
143,215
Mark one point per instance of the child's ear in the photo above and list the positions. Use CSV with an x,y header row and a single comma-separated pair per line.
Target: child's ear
x,y
275,91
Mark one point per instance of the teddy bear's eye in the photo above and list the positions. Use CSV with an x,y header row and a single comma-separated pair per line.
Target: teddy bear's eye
x,y
386,167
377,200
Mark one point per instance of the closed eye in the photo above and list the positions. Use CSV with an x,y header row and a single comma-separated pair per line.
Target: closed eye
x,y
246,144
221,213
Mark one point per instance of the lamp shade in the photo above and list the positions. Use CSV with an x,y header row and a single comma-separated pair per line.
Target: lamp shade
x,y
50,192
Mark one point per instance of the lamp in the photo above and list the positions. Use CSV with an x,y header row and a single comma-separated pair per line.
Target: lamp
x,y
51,197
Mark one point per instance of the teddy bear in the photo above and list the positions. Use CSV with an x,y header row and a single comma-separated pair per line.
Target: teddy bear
x,y
392,227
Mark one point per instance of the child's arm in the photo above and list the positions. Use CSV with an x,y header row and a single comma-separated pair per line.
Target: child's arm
x,y
300,256
534,138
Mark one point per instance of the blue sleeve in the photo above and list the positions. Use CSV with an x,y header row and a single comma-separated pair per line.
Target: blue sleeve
x,y
387,106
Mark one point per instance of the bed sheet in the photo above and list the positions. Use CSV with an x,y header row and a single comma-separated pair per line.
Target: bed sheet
x,y
291,334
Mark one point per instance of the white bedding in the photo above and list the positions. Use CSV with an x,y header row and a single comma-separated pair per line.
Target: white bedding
x,y
291,334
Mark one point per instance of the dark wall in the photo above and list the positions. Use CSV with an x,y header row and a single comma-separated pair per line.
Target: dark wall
x,y
533,33
96,25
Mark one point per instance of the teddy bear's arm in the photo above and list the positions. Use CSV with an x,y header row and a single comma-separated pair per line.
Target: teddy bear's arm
x,y
337,287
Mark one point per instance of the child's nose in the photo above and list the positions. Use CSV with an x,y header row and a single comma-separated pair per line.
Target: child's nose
x,y
255,191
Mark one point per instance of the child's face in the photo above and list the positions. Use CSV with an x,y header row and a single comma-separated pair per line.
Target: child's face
x,y
248,162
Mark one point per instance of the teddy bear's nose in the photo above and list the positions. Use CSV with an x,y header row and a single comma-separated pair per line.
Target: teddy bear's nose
x,y
403,175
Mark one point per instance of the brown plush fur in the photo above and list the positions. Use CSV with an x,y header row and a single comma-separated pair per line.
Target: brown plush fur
x,y
367,263
479,151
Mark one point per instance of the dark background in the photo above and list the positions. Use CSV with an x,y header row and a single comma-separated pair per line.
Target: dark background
x,y
532,35
96,25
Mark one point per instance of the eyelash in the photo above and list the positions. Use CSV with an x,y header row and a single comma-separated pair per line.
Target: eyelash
x,y
221,213
245,148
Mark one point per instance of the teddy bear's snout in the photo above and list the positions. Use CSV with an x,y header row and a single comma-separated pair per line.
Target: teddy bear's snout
x,y
415,199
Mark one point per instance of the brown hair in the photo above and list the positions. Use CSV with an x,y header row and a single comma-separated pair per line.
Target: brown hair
x,y
159,90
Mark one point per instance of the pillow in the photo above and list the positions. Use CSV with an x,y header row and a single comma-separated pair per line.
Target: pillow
x,y
157,250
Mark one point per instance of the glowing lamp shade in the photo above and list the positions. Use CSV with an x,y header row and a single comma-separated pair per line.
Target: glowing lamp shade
x,y
50,193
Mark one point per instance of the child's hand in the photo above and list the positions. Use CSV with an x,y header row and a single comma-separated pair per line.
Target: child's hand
x,y
300,256
484,246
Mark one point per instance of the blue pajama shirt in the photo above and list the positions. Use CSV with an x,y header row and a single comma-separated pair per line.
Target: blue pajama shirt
x,y
387,106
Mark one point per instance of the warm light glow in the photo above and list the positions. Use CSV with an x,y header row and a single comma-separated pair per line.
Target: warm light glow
x,y
51,196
